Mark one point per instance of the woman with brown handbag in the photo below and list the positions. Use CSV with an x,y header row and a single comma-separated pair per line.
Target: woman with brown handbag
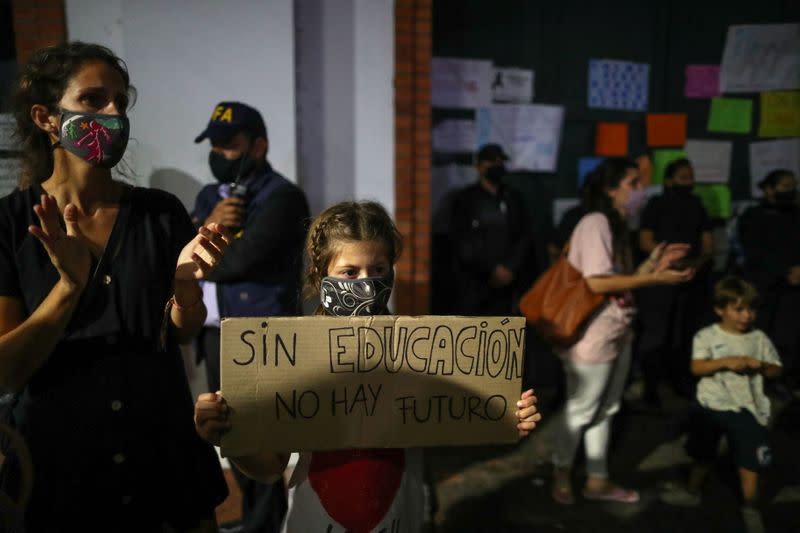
x,y
596,365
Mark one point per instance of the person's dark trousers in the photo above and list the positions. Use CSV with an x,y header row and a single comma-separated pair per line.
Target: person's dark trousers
x,y
263,506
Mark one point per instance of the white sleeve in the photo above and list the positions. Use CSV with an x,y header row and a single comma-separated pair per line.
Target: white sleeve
x,y
768,352
701,345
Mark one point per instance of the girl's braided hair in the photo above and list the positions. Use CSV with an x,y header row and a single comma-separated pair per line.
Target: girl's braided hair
x,y
343,223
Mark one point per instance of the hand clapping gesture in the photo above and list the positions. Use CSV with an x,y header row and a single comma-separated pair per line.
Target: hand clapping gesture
x,y
68,251
663,258
203,253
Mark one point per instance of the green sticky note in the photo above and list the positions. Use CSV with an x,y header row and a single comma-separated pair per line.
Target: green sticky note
x,y
716,199
662,158
730,115
780,114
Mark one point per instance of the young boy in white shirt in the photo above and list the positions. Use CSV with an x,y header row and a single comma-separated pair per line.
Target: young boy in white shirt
x,y
731,359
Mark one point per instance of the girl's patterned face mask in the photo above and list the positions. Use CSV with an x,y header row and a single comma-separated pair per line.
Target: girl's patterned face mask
x,y
96,138
356,297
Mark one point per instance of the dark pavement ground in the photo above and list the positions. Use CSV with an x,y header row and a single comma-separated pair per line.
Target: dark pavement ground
x,y
506,489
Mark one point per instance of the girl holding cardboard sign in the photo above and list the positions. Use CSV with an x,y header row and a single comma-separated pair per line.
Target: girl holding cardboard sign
x,y
352,248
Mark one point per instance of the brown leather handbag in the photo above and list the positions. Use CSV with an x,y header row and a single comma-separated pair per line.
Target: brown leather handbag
x,y
560,302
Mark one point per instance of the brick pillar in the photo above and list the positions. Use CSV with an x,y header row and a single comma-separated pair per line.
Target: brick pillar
x,y
37,23
413,25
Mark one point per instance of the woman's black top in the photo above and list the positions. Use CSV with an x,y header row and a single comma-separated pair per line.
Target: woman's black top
x,y
108,417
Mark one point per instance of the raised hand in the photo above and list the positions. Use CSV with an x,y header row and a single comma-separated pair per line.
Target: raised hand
x,y
203,253
666,255
68,251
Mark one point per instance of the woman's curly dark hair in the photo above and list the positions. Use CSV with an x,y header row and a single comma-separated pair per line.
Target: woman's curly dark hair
x,y
43,80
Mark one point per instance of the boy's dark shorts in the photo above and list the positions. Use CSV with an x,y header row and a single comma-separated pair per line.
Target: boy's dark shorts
x,y
748,440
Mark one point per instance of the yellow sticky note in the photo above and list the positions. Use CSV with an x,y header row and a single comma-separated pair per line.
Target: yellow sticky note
x,y
780,114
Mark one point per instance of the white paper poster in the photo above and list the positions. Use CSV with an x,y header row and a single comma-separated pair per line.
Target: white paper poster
x,y
6,132
618,85
766,156
460,83
9,174
530,134
454,136
711,160
512,85
761,57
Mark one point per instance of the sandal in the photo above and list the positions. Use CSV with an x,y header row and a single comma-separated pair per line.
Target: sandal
x,y
615,494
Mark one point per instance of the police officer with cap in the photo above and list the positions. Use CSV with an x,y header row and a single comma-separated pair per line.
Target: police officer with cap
x,y
260,273
490,239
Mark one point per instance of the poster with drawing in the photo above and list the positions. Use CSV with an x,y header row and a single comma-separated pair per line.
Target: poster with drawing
x,y
512,85
618,85
761,57
460,83
530,134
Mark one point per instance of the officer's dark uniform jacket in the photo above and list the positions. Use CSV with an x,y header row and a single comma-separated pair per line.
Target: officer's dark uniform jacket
x,y
259,274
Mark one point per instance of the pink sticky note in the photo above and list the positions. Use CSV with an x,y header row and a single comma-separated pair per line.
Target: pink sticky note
x,y
702,81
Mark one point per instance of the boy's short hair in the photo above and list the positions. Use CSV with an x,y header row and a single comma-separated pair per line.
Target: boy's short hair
x,y
732,290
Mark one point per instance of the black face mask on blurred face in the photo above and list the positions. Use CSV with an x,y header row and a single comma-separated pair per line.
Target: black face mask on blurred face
x,y
785,198
682,190
230,170
495,173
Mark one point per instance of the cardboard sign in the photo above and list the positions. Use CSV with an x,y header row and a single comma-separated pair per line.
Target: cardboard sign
x,y
666,129
318,383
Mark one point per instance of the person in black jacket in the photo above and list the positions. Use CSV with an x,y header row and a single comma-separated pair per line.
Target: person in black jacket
x,y
670,316
490,239
260,273
770,238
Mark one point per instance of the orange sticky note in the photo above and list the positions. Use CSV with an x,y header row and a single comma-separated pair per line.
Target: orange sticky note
x,y
666,129
611,139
